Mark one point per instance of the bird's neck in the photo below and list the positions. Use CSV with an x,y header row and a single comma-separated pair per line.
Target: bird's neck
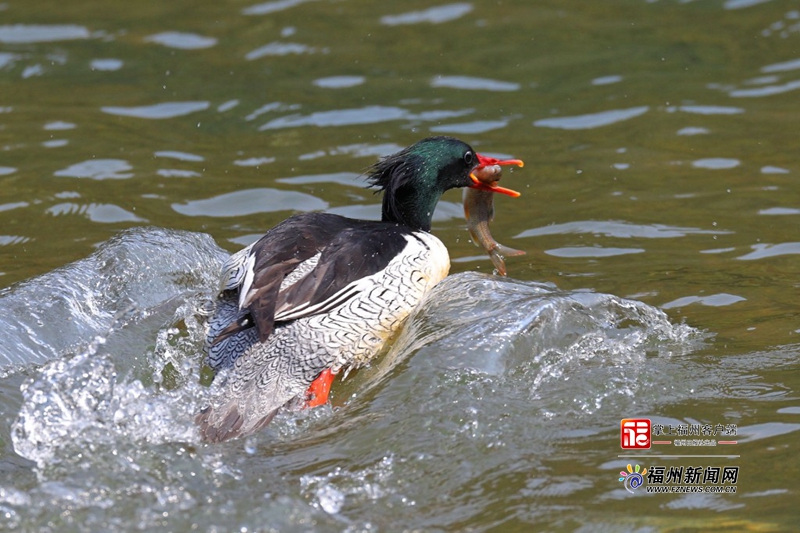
x,y
412,207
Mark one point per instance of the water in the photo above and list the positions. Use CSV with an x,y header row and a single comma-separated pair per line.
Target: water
x,y
659,169
104,411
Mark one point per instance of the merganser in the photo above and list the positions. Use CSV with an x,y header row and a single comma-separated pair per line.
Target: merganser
x,y
319,292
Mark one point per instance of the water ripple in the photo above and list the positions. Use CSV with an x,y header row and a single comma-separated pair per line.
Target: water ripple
x,y
181,156
355,150
55,143
780,211
702,501
769,90
693,130
478,126
438,115
366,150
708,109
181,40
7,59
13,205
607,80
266,8
58,125
177,173
474,84
266,108
714,300
761,80
338,82
254,161
6,240
762,250
107,65
766,430
158,111
41,33
716,163
784,66
279,49
592,120
339,117
623,230
340,178
103,213
592,251
97,169
250,201
433,15
227,106
741,4
718,250
769,169
32,70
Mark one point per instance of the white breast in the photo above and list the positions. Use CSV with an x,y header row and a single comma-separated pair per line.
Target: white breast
x,y
438,258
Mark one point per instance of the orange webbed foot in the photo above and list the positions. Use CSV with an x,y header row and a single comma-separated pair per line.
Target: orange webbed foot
x,y
319,389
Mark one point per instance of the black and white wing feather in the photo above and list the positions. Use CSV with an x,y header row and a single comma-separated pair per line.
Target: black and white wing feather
x,y
332,253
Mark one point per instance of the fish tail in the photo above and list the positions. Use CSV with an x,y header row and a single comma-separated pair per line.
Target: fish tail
x,y
498,254
505,251
498,261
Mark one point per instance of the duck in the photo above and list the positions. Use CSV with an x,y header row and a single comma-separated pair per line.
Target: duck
x,y
320,293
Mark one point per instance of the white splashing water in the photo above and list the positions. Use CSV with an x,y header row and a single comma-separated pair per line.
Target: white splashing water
x,y
103,330
486,364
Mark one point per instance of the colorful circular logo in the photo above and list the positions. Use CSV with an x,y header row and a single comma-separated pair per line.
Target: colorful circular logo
x,y
632,479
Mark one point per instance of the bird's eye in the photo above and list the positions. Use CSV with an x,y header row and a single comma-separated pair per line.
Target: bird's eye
x,y
469,157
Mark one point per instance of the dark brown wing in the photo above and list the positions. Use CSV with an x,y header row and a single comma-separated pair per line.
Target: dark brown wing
x,y
353,255
349,250
273,257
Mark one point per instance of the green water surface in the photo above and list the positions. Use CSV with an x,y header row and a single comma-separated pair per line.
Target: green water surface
x,y
661,148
